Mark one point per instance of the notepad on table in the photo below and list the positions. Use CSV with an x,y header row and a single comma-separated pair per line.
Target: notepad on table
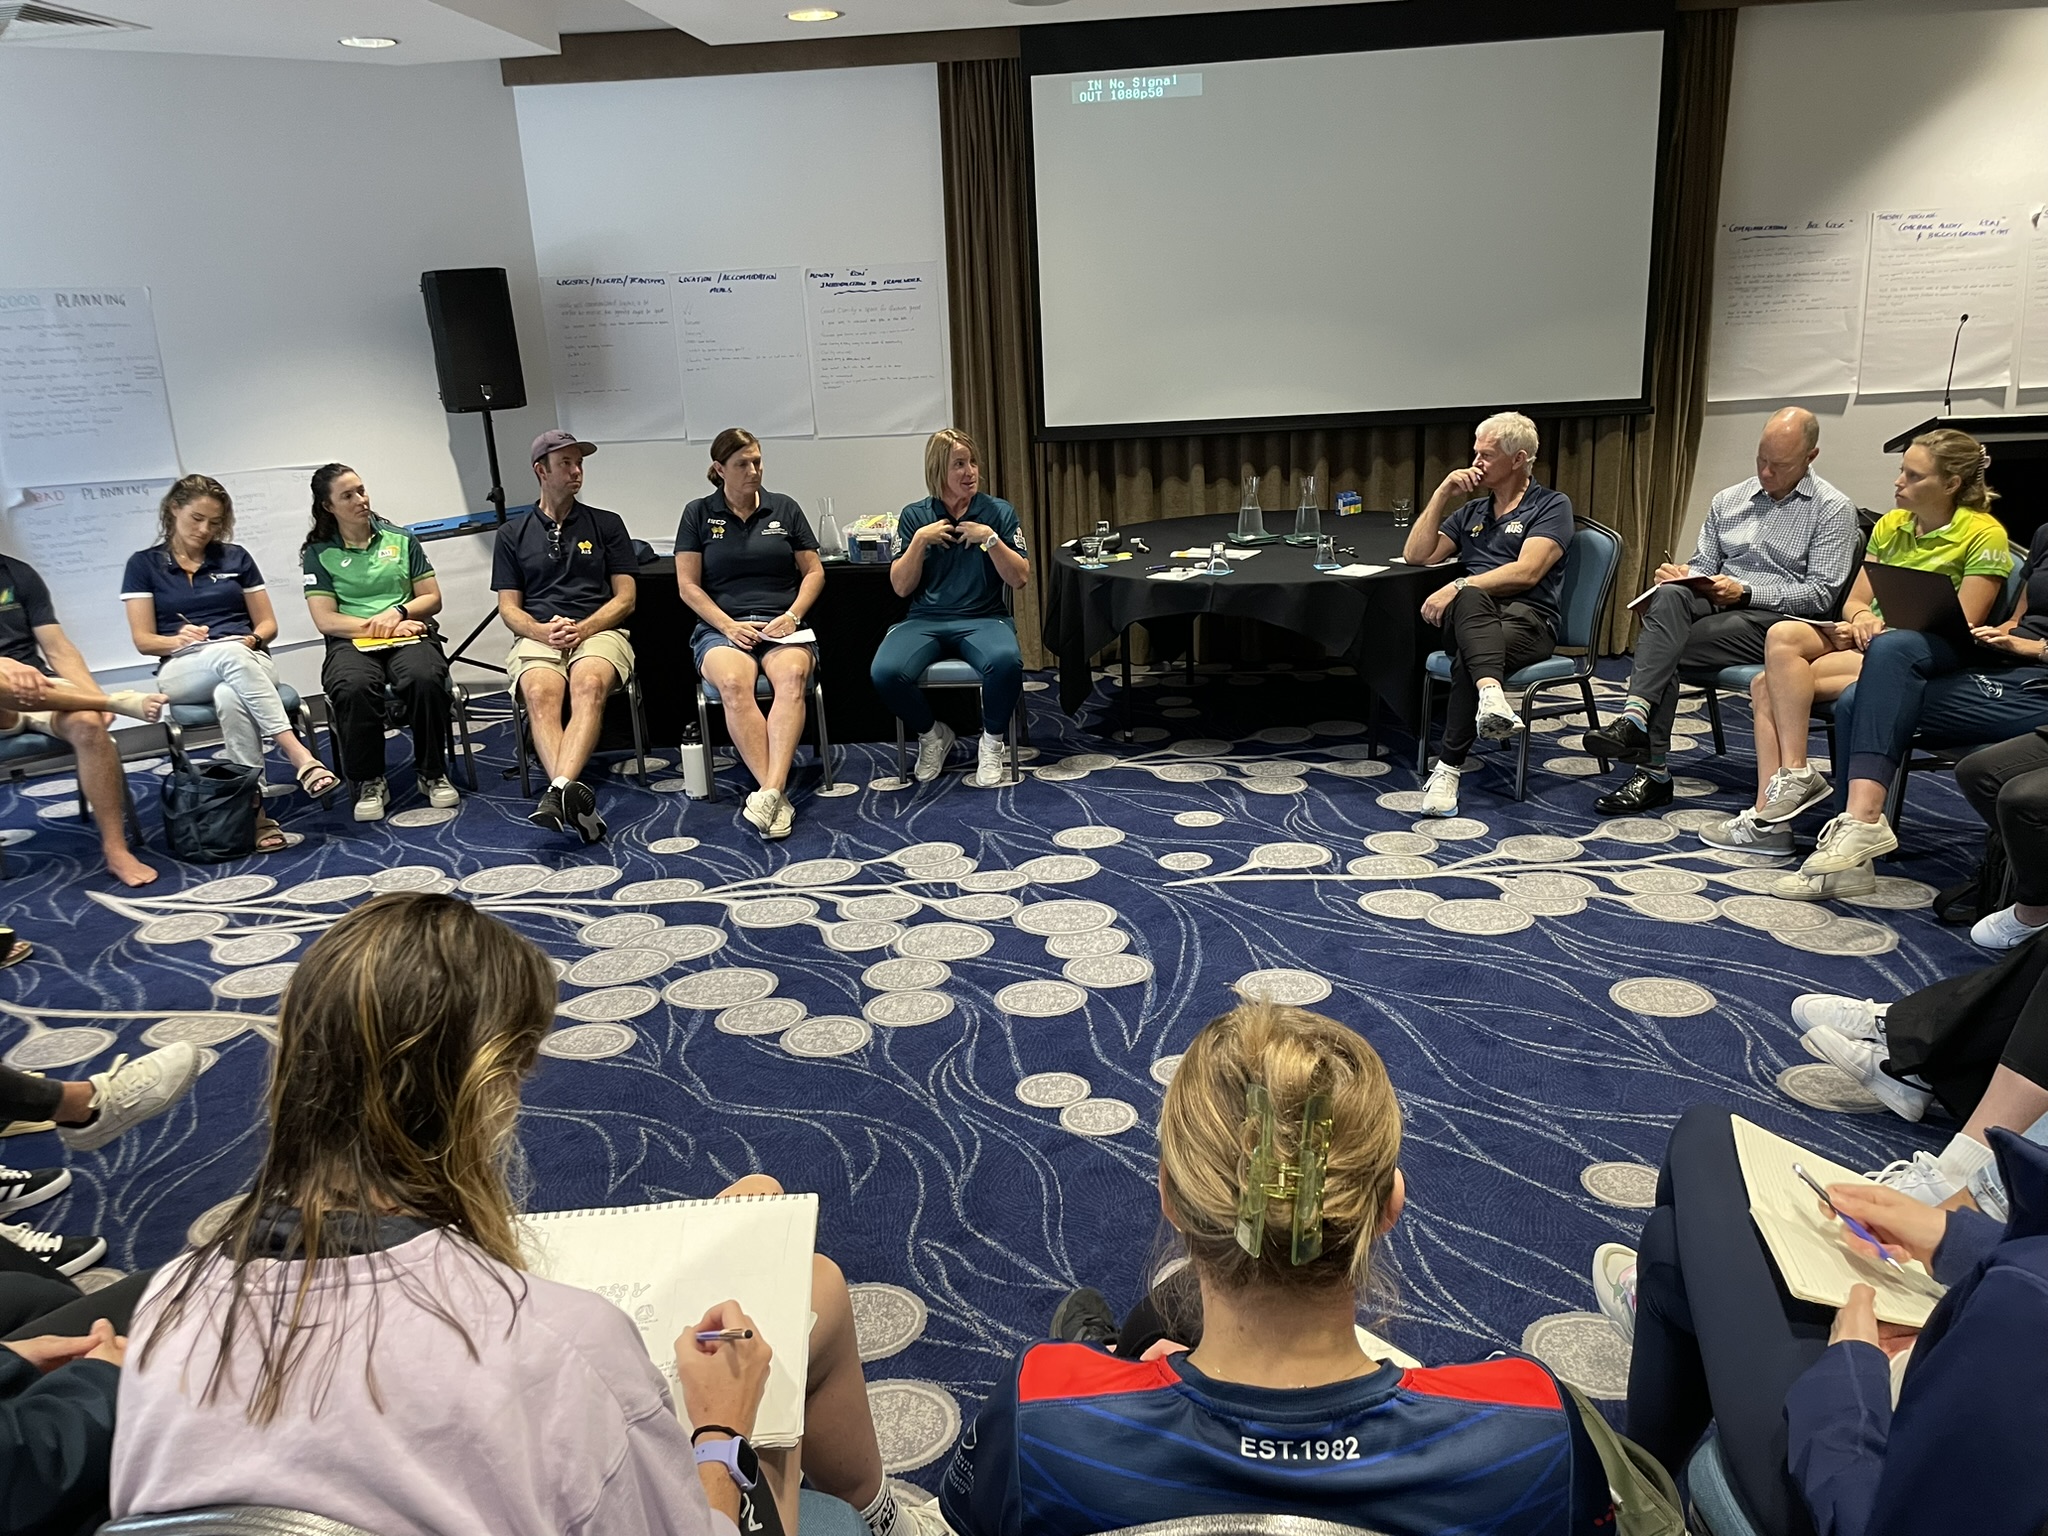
x,y
1358,570
794,637
1178,573
666,1265
1809,1243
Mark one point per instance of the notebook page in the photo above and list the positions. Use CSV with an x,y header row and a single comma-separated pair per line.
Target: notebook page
x,y
665,1265
1809,1244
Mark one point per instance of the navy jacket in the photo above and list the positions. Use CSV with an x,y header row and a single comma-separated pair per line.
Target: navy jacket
x,y
1967,1448
56,1445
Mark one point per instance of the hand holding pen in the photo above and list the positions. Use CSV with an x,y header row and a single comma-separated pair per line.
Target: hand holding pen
x,y
1883,1223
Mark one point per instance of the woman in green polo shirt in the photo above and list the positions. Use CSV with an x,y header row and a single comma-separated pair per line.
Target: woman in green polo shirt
x,y
1941,524
372,593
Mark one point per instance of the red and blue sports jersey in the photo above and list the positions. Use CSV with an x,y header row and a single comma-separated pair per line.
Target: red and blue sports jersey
x,y
1079,1441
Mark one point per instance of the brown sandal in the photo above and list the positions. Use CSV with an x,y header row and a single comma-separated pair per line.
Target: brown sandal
x,y
270,837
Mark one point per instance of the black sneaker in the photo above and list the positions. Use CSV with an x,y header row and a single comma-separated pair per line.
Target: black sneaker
x,y
1083,1317
579,810
66,1255
548,813
1622,742
20,1188
1639,794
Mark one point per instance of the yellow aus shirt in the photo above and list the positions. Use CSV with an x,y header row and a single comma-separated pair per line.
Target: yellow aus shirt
x,y
1969,544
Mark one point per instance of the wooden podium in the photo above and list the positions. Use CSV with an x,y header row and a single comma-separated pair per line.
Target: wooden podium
x,y
2019,464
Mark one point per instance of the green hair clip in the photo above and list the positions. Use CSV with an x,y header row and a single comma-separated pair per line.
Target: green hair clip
x,y
1264,1176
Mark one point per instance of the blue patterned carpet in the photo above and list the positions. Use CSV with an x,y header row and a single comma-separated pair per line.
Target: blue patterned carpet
x,y
950,1011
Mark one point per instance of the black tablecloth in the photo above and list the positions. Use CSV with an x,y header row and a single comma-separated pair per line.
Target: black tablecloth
x,y
1371,622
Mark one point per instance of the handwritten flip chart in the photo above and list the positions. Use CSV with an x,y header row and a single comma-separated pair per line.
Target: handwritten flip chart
x,y
745,356
612,347
78,537
1788,298
2034,330
1927,269
878,365
81,388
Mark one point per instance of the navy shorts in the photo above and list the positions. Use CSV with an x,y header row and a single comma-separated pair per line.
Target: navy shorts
x,y
704,640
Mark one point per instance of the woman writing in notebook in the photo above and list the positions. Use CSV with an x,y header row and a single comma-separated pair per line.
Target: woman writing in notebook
x,y
1802,1398
1277,1409
373,594
747,563
361,1339
1940,524
197,602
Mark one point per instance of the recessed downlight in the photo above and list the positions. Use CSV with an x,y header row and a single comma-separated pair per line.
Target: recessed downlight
x,y
815,13
369,42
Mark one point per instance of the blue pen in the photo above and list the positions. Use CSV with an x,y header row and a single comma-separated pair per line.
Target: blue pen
x,y
1849,1221
723,1335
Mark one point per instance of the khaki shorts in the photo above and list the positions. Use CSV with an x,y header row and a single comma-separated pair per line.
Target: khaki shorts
x,y
610,645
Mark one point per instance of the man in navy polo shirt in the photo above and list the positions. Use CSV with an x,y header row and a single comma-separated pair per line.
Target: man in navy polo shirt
x,y
1502,614
564,578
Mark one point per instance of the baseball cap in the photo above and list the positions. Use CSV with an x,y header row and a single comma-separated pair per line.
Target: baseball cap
x,y
549,441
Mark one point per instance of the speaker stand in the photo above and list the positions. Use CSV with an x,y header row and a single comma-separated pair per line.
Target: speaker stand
x,y
496,497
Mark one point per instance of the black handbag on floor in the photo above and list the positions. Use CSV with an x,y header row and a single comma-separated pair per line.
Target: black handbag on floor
x,y
210,812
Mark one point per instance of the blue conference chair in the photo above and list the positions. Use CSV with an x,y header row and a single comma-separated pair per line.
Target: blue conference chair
x,y
1589,569
952,672
814,690
180,718
31,752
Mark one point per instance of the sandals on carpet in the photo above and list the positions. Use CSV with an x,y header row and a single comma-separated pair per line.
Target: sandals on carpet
x,y
270,837
317,779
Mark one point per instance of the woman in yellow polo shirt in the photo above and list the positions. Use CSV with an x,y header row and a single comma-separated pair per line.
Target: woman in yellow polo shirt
x,y
1942,523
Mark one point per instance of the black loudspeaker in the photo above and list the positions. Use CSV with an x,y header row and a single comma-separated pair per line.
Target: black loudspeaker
x,y
476,348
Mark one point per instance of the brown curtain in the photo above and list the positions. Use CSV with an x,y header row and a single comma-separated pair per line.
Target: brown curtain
x,y
1631,472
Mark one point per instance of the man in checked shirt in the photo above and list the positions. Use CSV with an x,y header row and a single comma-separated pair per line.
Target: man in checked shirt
x,y
1781,545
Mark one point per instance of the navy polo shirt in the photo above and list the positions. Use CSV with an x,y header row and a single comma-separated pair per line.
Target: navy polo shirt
x,y
563,574
216,595
25,607
2035,576
749,562
1486,543
960,582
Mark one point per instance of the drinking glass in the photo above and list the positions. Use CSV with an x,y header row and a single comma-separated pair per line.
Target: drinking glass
x,y
1404,512
1326,552
1090,552
1216,564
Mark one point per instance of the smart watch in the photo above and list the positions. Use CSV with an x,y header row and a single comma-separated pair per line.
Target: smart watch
x,y
402,614
733,1454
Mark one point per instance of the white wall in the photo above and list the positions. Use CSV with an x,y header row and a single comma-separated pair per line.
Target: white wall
x,y
820,168
1870,105
281,214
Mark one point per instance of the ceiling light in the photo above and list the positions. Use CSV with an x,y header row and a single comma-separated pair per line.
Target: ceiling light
x,y
369,42
815,13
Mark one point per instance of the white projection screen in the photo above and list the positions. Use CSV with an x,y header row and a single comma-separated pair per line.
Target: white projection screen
x,y
1387,232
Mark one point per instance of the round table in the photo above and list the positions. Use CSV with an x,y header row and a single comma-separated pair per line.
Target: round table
x,y
1371,622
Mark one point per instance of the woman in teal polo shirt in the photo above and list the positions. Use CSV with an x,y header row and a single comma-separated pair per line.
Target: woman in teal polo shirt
x,y
371,592
958,550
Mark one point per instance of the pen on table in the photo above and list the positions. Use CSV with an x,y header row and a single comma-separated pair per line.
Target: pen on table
x,y
1847,1220
723,1335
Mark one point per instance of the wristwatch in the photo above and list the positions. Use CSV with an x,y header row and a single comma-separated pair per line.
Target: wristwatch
x,y
733,1454
988,543
1458,584
403,616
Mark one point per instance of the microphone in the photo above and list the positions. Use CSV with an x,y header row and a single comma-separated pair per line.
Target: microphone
x,y
1952,351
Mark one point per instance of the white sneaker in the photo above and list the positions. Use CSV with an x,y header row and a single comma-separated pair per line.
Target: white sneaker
x,y
992,762
760,811
129,1092
1845,843
373,796
1860,1059
1791,791
440,793
1835,885
1614,1283
916,1517
2003,930
1743,833
785,817
1857,1018
1988,1190
1440,794
1497,722
1920,1178
932,748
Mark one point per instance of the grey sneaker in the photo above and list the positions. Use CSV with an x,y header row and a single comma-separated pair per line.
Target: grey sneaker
x,y
1863,1060
129,1092
1497,720
1791,791
1743,833
440,793
373,798
1440,794
760,810
932,748
1835,885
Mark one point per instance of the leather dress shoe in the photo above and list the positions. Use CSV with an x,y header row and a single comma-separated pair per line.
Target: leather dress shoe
x,y
1622,742
1641,793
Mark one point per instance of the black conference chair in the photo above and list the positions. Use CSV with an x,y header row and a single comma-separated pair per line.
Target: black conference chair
x,y
814,692
520,741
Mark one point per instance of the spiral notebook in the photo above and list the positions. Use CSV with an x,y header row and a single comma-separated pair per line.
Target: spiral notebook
x,y
665,1265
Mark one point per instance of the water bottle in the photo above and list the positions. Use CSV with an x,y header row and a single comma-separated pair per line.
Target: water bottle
x,y
1308,520
830,540
1251,521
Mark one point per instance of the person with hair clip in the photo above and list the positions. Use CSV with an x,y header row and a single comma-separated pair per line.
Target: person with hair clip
x,y
1279,1145
1940,524
956,552
197,603
362,1339
372,592
747,564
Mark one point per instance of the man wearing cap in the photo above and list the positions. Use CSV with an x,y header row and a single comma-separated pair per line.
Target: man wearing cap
x,y
564,578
